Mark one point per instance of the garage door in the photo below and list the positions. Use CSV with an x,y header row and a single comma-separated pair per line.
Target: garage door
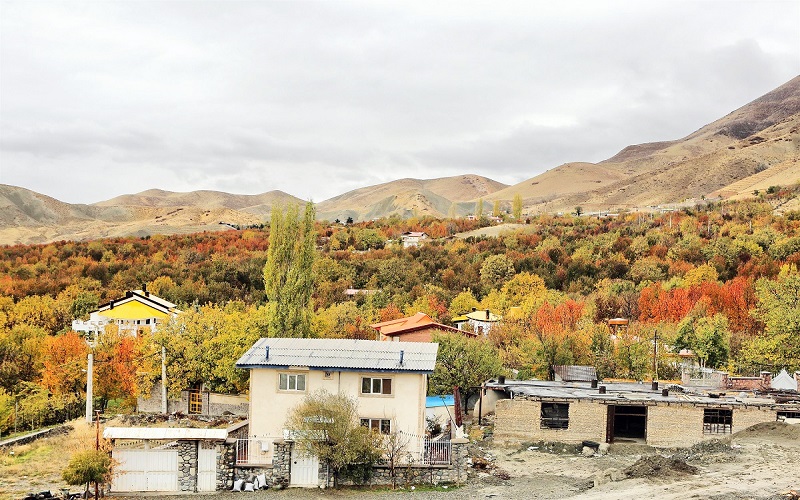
x,y
145,470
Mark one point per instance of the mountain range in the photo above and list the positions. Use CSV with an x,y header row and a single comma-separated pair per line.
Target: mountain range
x,y
752,148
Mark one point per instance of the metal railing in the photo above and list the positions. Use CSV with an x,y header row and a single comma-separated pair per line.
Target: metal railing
x,y
255,451
436,452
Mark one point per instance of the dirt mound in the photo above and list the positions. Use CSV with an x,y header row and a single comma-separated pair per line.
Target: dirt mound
x,y
778,431
658,466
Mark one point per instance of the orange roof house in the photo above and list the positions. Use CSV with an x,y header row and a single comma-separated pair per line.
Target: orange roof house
x,y
417,328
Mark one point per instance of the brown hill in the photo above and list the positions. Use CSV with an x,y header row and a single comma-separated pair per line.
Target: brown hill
x,y
29,217
753,147
437,197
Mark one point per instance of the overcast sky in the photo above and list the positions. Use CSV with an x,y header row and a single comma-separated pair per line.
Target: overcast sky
x,y
100,99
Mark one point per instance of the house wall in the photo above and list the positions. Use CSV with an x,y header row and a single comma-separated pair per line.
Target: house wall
x,y
518,420
490,400
269,406
668,424
424,335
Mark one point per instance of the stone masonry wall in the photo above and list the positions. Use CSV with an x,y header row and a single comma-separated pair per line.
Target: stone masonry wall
x,y
187,465
277,474
226,459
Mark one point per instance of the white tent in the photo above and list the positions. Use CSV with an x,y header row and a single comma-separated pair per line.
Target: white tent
x,y
784,382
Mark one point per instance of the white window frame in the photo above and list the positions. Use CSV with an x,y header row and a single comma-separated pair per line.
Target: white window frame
x,y
292,382
372,381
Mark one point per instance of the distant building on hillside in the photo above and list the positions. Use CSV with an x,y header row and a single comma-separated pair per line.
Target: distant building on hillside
x,y
413,238
481,321
417,328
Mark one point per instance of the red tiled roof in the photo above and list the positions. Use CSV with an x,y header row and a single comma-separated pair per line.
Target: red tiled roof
x,y
410,324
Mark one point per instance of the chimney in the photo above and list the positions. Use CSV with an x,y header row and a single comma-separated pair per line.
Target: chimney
x,y
766,379
473,309
266,353
128,294
487,315
502,379
594,384
144,289
111,304
601,389
665,392
654,385
401,357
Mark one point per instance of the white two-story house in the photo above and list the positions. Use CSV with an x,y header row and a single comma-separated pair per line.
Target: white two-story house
x,y
388,380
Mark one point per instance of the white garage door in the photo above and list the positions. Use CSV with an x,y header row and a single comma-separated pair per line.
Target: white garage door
x,y
207,469
145,470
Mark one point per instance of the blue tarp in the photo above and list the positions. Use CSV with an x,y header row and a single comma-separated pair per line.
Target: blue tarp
x,y
438,401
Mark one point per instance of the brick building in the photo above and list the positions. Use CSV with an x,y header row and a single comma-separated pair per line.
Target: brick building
x,y
624,412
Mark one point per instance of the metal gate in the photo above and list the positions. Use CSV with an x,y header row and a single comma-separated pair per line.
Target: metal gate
x,y
145,470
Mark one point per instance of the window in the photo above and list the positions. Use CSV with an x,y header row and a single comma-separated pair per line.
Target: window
x,y
382,425
555,416
292,382
717,421
371,385
195,402
783,415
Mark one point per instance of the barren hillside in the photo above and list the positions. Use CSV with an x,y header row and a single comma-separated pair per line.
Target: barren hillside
x,y
759,140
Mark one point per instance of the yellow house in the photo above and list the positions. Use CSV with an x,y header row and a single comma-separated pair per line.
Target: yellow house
x,y
388,380
133,312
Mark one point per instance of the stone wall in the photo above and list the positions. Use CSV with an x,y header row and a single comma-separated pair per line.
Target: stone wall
x,y
226,459
213,404
187,465
277,474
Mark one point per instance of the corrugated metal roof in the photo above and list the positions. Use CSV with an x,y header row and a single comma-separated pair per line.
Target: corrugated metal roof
x,y
439,401
164,433
575,373
342,354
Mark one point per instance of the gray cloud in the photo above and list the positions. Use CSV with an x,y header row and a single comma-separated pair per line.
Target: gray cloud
x,y
316,98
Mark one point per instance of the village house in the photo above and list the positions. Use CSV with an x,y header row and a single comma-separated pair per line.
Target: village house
x,y
672,416
413,238
388,380
417,328
137,310
480,321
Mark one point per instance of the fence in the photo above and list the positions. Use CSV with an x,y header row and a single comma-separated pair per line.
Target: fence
x,y
255,451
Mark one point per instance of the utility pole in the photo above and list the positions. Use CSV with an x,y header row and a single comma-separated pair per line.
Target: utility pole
x,y
655,357
163,380
91,341
89,396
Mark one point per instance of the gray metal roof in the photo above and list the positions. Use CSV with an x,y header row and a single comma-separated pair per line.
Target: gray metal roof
x,y
341,354
164,433
622,393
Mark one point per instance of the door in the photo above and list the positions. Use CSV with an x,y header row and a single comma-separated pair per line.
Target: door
x,y
304,470
145,470
207,469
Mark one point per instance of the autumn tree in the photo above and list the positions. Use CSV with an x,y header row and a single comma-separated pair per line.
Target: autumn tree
x,y
327,426
516,207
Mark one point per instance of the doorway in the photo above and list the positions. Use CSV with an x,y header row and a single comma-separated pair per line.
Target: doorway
x,y
626,423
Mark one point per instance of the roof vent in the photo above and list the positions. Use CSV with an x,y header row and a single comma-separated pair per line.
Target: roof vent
x,y
487,314
144,289
111,304
601,389
401,357
128,294
266,353
654,385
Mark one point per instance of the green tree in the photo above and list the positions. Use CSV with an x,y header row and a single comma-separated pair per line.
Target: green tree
x,y
496,208
516,207
288,276
463,362
479,209
709,338
326,425
90,466
496,270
